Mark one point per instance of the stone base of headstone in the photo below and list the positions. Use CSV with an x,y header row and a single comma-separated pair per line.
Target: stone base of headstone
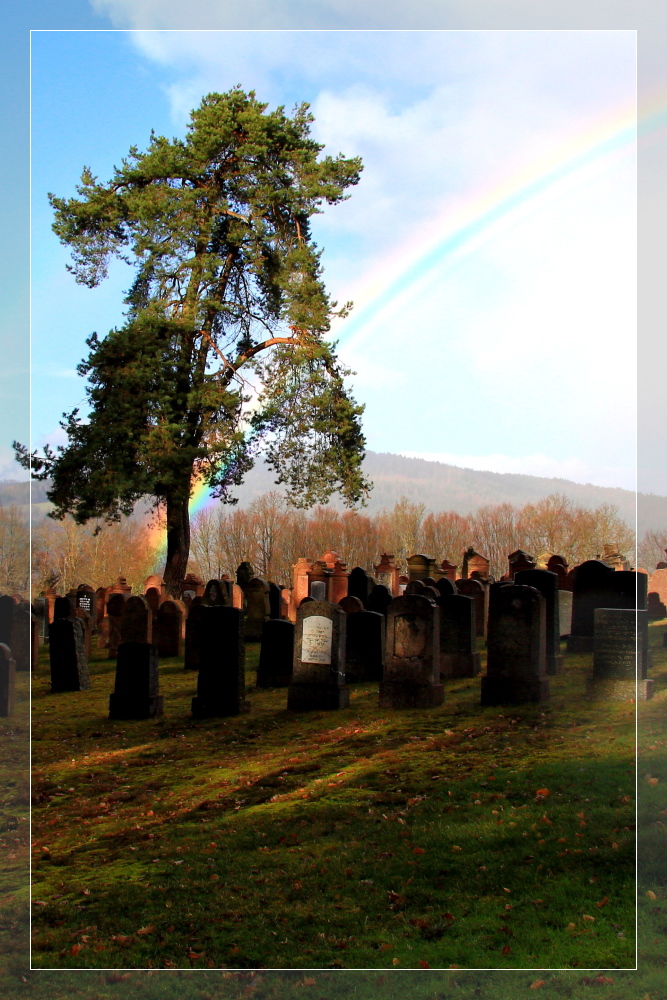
x,y
579,643
459,665
618,689
403,694
208,708
503,691
555,665
317,697
147,707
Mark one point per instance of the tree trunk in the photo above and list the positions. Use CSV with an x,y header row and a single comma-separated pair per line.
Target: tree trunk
x,y
178,544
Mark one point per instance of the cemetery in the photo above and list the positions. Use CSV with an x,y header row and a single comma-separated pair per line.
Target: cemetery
x,y
355,773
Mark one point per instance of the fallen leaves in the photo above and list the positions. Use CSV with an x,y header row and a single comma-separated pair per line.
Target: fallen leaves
x,y
603,902
651,894
537,984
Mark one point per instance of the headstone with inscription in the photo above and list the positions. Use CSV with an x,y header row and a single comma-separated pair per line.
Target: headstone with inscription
x,y
7,681
516,641
620,656
411,677
221,679
318,678
655,608
564,610
276,656
458,656
136,693
474,563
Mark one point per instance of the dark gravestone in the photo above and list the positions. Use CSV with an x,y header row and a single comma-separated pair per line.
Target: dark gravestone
x,y
547,584
420,566
7,680
306,600
114,617
627,590
84,618
136,694
193,634
221,680
274,600
516,660
380,599
85,599
413,588
520,562
360,584
137,621
364,648
34,642
479,593
446,586
411,676
318,677
216,595
7,604
67,653
656,609
276,656
590,591
169,628
458,657
257,608
153,598
20,637
351,605
620,656
244,574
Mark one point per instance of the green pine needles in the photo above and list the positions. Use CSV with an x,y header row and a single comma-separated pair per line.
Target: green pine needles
x,y
223,351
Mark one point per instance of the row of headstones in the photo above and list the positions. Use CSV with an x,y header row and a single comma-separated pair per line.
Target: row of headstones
x,y
15,628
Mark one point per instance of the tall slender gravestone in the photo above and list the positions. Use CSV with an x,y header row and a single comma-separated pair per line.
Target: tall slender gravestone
x,y
516,641
257,608
114,617
360,584
137,621
85,599
244,574
364,647
274,600
380,598
387,574
547,584
564,611
458,657
193,634
221,680
67,650
7,680
590,591
276,656
480,594
7,604
318,677
169,628
136,694
85,620
20,635
39,611
620,656
411,677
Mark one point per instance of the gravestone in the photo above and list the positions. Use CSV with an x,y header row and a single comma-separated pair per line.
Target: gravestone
x,y
85,599
285,604
153,598
474,562
221,679
274,600
238,600
516,641
413,587
244,574
300,572
84,618
411,677
39,611
318,677
387,573
276,656
445,586
627,590
191,587
193,634
215,595
351,605
257,608
557,564
448,570
7,604
590,591
360,584
547,584
380,599
564,611
364,647
169,629
136,693
657,582
114,617
20,635
137,621
620,656
480,594
655,608
67,651
318,590
338,582
519,562
420,566
458,657
7,681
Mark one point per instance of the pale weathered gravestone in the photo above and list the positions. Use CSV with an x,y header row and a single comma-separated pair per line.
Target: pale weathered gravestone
x,y
516,641
590,591
458,657
480,594
215,595
39,611
169,629
136,693
114,618
67,650
7,680
620,656
193,634
257,608
221,680
547,583
380,599
411,677
318,590
276,656
137,621
360,584
564,610
364,648
318,677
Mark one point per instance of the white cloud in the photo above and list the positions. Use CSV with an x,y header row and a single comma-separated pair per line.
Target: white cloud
x,y
9,467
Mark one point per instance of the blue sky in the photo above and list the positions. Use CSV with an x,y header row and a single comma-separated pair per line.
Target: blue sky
x,y
450,404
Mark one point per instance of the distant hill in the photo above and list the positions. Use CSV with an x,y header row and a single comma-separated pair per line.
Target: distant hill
x,y
437,486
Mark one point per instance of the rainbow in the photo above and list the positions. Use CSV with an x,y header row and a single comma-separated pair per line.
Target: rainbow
x,y
455,230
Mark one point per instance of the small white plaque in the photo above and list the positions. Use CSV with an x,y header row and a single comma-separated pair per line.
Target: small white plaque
x,y
316,639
